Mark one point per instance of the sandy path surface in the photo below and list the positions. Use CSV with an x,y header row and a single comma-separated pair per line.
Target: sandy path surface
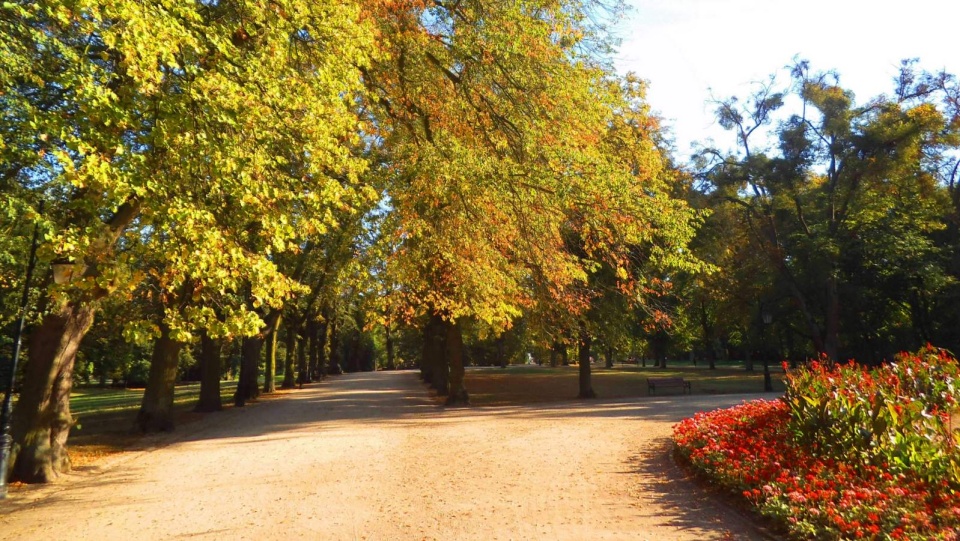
x,y
370,456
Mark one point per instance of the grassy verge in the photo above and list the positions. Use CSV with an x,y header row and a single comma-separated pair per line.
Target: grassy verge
x,y
104,417
534,384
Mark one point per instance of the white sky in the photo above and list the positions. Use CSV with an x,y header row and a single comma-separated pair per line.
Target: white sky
x,y
685,48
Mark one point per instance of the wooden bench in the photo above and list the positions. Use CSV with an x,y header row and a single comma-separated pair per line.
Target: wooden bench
x,y
667,383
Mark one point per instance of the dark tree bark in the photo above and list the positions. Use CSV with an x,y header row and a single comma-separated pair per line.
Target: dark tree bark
x,y
609,357
586,386
303,372
209,375
391,365
313,351
434,355
564,355
333,364
454,346
41,421
156,408
426,358
247,387
289,365
555,355
270,367
321,339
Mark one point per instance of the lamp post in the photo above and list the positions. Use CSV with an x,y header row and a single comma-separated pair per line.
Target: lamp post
x,y
6,439
767,383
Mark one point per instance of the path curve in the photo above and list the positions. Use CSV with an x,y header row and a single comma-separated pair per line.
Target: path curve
x,y
371,456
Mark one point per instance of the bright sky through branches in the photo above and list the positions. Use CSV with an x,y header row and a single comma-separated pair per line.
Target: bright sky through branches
x,y
692,49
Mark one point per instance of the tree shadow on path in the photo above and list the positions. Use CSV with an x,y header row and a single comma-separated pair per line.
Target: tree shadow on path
x,y
689,504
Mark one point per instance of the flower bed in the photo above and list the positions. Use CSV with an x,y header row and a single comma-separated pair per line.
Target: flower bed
x,y
846,453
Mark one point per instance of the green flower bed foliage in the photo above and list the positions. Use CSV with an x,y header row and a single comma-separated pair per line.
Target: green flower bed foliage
x,y
846,454
897,417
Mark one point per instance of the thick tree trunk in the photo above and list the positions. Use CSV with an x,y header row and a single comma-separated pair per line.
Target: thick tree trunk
x,y
427,359
209,375
289,365
454,346
333,363
41,421
247,387
322,349
586,386
435,349
156,408
555,355
303,371
270,368
313,351
609,357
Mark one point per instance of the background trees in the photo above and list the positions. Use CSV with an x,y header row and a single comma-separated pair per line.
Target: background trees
x,y
848,208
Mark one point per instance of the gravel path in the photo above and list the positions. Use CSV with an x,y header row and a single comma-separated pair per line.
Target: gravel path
x,y
370,456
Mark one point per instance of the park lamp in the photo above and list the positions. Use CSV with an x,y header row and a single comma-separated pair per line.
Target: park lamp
x,y
62,271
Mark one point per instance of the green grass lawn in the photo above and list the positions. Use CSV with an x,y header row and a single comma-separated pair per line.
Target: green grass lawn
x,y
85,400
532,384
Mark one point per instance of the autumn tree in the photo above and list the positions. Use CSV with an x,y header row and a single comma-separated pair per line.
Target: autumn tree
x,y
155,120
494,116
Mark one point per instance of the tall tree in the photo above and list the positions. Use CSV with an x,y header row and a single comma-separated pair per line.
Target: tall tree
x,y
163,120
841,176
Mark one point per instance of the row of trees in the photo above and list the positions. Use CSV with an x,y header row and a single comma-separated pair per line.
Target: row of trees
x,y
351,181
223,172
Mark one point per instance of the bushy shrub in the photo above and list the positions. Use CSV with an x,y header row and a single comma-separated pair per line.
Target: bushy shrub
x,y
896,417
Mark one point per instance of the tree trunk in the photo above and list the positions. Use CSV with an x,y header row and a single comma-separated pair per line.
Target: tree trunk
x,y
441,368
390,363
454,346
564,355
707,336
333,363
289,365
322,348
313,351
586,386
433,355
609,357
555,355
270,368
156,408
427,359
247,387
303,372
209,375
41,421
831,339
